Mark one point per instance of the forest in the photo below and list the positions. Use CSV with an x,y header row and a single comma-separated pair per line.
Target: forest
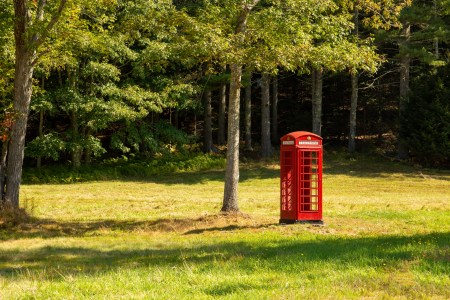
x,y
84,82
149,149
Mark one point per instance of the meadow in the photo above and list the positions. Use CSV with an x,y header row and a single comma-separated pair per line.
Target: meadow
x,y
161,236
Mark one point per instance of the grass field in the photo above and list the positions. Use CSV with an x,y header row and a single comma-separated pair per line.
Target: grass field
x,y
386,235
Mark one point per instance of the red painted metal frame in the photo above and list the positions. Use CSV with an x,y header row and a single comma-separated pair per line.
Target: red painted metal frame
x,y
301,177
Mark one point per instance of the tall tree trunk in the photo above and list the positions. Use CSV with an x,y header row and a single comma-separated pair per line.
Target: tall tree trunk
x,y
405,62
3,159
221,121
207,126
176,118
76,150
195,125
87,150
266,147
354,96
21,105
353,108
25,56
41,135
230,198
41,126
274,123
436,39
317,100
248,112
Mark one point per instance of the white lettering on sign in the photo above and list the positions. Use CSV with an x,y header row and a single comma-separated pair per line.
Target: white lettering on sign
x,y
308,142
288,142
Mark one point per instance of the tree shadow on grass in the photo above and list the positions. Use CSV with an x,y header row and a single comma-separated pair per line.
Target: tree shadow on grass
x,y
189,178
46,228
278,254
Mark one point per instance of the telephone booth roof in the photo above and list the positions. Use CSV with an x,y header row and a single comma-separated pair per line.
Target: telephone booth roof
x,y
298,134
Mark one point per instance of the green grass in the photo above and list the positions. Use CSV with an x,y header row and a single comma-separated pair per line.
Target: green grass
x,y
386,235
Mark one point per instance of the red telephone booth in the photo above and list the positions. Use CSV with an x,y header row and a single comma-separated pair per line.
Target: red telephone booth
x,y
301,178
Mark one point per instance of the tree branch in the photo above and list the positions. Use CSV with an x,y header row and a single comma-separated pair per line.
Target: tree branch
x,y
40,10
40,40
242,19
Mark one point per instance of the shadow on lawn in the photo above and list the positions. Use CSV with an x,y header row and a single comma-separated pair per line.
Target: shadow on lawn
x,y
45,228
278,254
246,174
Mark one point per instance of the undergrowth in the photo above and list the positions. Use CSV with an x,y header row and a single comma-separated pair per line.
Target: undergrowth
x,y
123,168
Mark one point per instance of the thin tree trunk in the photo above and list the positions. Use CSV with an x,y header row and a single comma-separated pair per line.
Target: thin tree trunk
x,y
176,118
41,126
87,150
195,124
207,128
266,147
317,101
353,107
354,96
248,113
230,198
405,62
3,159
274,123
436,40
76,150
221,121
41,135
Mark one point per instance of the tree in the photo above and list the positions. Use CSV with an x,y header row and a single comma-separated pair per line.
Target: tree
x,y
423,26
248,110
354,95
266,146
30,33
230,198
274,105
405,63
317,83
207,126
221,139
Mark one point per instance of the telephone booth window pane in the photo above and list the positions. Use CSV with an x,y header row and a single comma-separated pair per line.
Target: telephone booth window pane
x,y
287,181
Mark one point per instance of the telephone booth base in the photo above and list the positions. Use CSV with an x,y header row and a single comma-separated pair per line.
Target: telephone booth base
x,y
311,222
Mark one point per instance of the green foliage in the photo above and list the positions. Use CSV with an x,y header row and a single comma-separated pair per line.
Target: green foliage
x,y
49,145
136,138
6,53
146,139
426,126
169,135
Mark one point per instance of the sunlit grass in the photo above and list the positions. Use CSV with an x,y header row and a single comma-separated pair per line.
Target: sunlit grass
x,y
386,235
